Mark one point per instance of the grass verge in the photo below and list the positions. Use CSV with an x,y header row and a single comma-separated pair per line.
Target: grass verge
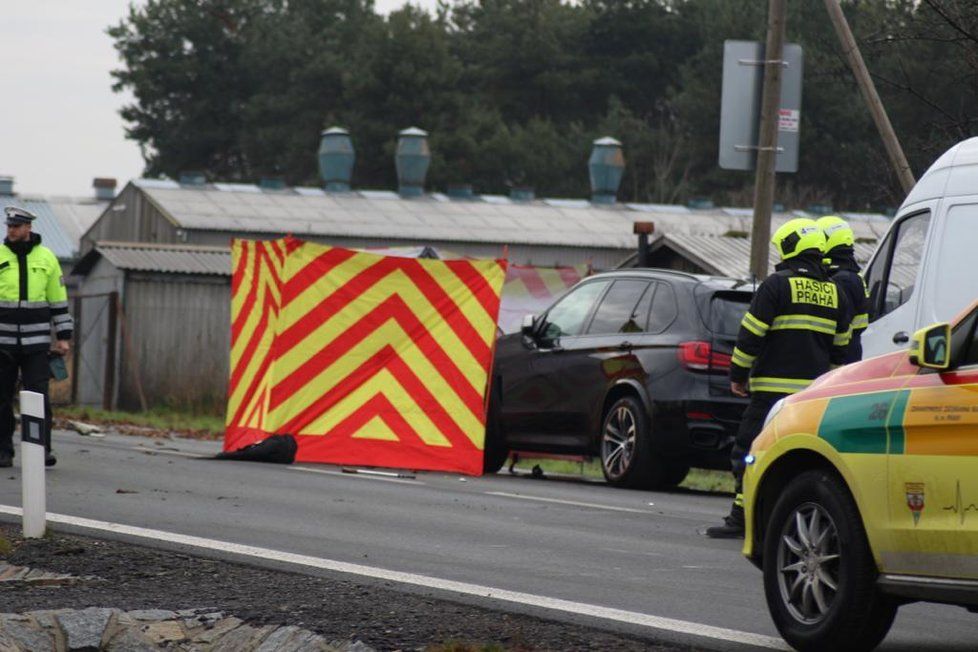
x,y
697,480
198,426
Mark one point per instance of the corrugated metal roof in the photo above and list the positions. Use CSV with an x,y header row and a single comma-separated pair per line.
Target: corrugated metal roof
x,y
60,220
730,256
382,214
180,259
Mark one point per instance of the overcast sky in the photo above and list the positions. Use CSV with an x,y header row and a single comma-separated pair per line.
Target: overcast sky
x,y
59,121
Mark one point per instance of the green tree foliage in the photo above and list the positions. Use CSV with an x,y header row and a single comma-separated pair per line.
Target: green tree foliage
x,y
513,92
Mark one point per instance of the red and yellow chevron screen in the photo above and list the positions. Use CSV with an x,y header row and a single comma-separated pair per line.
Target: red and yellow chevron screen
x,y
365,359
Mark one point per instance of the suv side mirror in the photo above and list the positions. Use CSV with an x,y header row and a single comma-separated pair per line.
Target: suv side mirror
x,y
930,347
526,328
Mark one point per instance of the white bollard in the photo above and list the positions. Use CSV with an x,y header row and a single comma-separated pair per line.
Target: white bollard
x,y
33,496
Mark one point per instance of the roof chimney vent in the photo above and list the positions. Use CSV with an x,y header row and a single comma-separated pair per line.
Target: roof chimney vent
x,y
606,166
336,158
193,179
521,193
271,183
412,160
6,185
104,188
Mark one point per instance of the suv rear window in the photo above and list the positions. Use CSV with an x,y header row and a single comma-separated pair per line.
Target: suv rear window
x,y
722,310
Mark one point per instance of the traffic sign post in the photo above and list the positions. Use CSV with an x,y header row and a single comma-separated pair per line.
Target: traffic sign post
x,y
33,490
740,105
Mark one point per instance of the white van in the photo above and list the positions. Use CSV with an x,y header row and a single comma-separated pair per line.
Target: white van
x,y
925,269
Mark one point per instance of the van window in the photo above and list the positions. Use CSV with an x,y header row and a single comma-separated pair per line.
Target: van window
x,y
957,284
617,312
893,274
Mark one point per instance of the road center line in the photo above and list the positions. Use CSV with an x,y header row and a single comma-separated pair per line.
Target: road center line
x,y
354,475
515,597
567,502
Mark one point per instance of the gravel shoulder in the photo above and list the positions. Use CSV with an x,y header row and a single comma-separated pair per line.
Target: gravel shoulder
x,y
382,616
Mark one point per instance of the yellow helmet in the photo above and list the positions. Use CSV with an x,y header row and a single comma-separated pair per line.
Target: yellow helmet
x,y
796,236
837,232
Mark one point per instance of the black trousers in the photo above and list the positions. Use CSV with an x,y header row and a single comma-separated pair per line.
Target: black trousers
x,y
34,372
751,425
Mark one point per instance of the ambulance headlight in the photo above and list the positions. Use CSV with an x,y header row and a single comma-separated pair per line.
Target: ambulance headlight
x,y
773,412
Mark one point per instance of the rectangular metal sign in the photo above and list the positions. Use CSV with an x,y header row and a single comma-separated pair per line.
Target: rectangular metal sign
x,y
740,106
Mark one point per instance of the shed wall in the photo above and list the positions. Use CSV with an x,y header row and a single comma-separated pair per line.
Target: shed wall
x,y
176,341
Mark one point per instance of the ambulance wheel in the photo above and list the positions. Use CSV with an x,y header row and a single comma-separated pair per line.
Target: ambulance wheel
x,y
819,573
626,447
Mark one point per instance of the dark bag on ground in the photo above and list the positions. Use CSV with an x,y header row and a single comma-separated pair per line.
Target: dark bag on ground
x,y
277,449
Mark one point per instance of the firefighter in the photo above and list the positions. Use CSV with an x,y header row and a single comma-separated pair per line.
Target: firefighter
x,y
33,302
840,260
797,327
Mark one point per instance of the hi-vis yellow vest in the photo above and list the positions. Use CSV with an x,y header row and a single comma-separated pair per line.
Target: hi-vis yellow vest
x,y
33,299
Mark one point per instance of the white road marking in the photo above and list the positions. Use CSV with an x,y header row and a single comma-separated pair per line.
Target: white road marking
x,y
354,475
167,451
567,502
515,597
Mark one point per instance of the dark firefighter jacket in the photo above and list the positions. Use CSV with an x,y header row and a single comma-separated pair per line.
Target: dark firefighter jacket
x,y
842,267
32,297
796,329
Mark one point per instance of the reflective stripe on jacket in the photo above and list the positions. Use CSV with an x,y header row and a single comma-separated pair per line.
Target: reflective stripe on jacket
x,y
797,327
33,299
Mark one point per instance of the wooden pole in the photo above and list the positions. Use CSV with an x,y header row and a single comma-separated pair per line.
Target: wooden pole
x,y
768,139
851,51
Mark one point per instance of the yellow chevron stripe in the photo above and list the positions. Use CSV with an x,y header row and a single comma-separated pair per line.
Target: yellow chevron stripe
x,y
382,383
389,333
398,284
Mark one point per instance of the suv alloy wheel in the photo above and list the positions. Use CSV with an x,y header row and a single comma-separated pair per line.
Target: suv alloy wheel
x,y
626,455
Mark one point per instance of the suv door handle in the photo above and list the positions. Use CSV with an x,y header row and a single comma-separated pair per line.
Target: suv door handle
x,y
900,337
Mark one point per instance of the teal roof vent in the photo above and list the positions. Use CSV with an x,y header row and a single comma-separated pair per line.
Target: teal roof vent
x,y
521,193
271,183
193,179
336,158
412,160
606,166
462,191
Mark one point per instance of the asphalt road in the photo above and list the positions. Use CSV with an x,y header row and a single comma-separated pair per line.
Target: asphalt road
x,y
574,541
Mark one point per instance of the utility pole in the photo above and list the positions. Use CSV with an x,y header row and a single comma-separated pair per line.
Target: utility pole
x,y
768,139
851,51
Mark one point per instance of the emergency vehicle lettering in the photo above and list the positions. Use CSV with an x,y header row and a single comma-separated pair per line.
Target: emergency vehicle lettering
x,y
817,293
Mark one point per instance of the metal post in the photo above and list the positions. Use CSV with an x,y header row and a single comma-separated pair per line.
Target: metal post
x,y
33,493
768,139
851,51
108,389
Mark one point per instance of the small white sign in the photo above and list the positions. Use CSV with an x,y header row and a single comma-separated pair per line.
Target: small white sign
x,y
788,120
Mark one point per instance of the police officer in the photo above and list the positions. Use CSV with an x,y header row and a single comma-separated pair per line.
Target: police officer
x,y
796,328
33,302
840,260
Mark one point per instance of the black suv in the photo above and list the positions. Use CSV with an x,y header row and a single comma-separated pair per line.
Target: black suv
x,y
631,366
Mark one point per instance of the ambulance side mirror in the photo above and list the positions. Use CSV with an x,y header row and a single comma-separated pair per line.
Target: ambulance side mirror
x,y
930,347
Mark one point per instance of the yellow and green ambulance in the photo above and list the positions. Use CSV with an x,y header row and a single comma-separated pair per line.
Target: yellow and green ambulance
x,y
861,492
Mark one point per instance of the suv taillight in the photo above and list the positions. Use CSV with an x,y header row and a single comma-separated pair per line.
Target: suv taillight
x,y
700,356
